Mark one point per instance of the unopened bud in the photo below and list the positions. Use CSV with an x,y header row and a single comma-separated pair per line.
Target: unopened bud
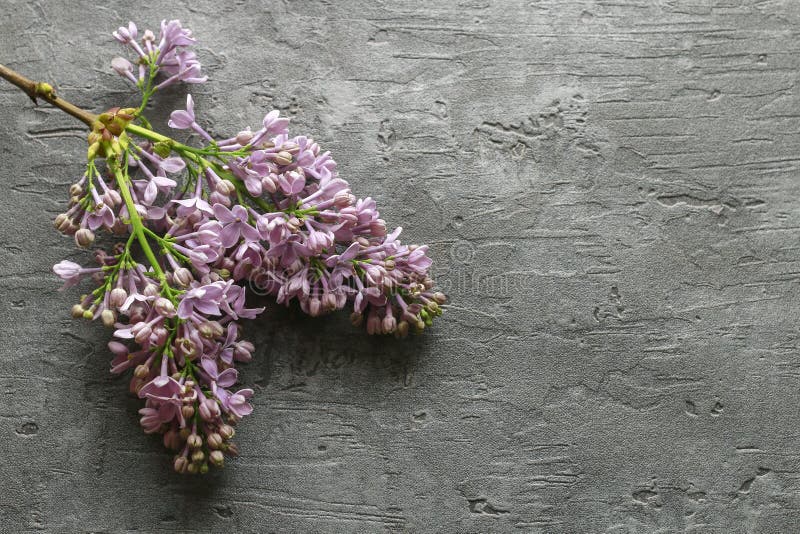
x,y
198,456
225,187
244,137
192,469
226,431
77,311
75,190
121,65
214,440
62,222
389,324
211,329
314,307
187,410
182,277
109,317
343,199
440,297
84,237
112,198
117,297
141,332
151,290
141,371
243,351
283,158
232,449
194,441
217,458
164,307
209,410
378,227
180,464
88,314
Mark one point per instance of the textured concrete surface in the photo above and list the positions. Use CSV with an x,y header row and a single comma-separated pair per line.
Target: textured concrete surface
x,y
611,194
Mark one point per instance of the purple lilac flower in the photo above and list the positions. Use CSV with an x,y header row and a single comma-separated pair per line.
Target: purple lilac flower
x,y
266,213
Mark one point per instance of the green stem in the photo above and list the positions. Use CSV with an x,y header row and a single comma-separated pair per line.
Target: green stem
x,y
137,226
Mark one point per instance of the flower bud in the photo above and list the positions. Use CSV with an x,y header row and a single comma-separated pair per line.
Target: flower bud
x,y
184,433
211,329
182,277
226,431
62,223
192,469
314,307
209,410
88,314
109,317
283,158
117,297
77,311
160,335
75,190
243,351
198,457
203,468
141,332
151,290
84,237
244,137
269,183
225,187
378,227
164,307
217,458
440,297
141,371
214,440
121,66
187,410
112,198
389,324
194,441
180,464
218,198
389,265
343,199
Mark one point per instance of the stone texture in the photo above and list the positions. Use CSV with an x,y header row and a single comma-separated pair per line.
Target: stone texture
x,y
610,191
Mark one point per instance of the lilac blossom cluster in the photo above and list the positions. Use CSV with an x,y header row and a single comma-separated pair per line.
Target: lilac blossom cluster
x,y
260,212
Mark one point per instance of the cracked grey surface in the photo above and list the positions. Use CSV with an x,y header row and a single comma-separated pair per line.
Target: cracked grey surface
x,y
610,190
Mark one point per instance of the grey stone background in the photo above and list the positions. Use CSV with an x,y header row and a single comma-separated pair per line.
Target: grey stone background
x,y
610,190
